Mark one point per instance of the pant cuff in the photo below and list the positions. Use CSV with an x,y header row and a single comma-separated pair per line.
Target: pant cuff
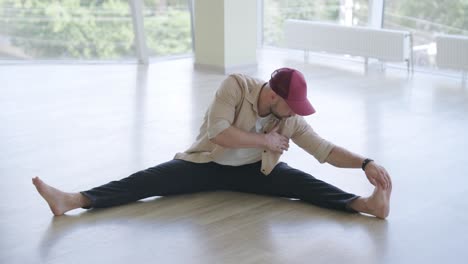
x,y
91,199
348,203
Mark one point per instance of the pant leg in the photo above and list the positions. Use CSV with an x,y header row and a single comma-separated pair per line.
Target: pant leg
x,y
285,181
173,177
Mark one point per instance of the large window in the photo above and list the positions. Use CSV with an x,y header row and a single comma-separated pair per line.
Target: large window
x,y
345,12
70,29
424,19
91,29
167,27
103,29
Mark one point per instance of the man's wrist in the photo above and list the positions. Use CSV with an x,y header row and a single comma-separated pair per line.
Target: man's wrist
x,y
365,163
263,142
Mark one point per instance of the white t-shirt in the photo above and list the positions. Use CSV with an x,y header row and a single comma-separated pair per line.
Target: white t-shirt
x,y
242,156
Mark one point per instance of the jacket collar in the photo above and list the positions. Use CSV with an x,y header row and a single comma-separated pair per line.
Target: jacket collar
x,y
252,97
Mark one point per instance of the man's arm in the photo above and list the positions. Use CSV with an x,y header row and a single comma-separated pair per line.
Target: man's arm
x,y
343,158
376,174
233,137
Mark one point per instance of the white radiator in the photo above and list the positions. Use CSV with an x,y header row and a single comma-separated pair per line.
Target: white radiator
x,y
452,52
382,44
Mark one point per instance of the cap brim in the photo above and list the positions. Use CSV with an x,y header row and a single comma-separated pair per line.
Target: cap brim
x,y
302,108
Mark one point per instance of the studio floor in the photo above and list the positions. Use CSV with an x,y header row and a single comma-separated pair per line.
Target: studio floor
x,y
81,125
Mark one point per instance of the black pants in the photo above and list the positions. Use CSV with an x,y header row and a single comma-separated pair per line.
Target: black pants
x,y
181,177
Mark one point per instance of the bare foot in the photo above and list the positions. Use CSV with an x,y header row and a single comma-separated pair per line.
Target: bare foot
x,y
59,202
378,203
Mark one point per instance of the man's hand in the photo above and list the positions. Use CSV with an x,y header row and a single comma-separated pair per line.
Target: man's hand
x,y
276,142
377,175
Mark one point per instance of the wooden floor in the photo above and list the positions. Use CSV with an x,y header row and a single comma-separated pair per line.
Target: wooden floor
x,y
78,126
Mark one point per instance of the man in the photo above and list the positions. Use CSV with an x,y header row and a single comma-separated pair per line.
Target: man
x,y
245,130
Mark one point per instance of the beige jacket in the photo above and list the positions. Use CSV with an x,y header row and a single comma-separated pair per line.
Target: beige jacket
x,y
235,104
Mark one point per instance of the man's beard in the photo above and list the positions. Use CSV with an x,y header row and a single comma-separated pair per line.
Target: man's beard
x,y
276,115
273,112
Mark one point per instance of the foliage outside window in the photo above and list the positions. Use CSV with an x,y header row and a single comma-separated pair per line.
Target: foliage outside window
x,y
167,27
90,30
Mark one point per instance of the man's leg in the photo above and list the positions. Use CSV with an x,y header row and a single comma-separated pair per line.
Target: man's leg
x,y
288,182
173,177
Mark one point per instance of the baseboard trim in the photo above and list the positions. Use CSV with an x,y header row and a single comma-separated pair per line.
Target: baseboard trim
x,y
243,68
